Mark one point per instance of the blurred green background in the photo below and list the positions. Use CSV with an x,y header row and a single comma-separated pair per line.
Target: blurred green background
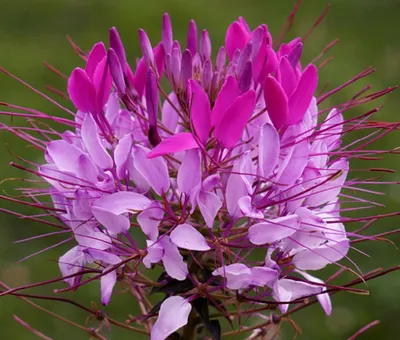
x,y
32,31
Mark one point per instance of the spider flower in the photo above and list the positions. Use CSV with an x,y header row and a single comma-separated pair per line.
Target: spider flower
x,y
232,174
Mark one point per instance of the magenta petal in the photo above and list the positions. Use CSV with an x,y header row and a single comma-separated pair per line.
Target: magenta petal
x,y
102,82
117,46
276,102
229,91
167,33
268,150
97,53
155,171
286,76
91,140
230,129
191,42
174,314
146,48
273,230
301,97
187,237
159,56
179,142
139,79
117,73
189,173
236,37
81,91
200,111
107,283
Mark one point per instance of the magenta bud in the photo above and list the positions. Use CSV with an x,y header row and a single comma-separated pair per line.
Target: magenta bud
x,y
221,59
246,77
258,39
117,46
152,106
236,55
176,66
167,33
205,45
191,43
116,71
207,74
187,67
295,55
244,57
147,50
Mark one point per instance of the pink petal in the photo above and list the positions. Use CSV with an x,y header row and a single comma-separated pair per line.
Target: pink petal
x,y
276,102
150,219
155,171
237,275
159,58
81,91
174,314
236,37
209,205
301,97
123,202
229,91
155,252
71,262
169,116
264,276
173,260
268,150
189,173
332,128
95,148
230,129
107,283
295,162
97,53
200,111
273,230
187,237
58,150
180,142
122,153
139,79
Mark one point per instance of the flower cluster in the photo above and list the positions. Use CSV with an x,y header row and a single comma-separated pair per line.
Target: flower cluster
x,y
233,175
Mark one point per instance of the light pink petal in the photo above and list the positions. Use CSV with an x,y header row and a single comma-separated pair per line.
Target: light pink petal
x,y
173,260
323,299
318,258
155,252
290,290
235,189
58,150
189,173
236,37
264,276
273,230
112,222
155,171
150,219
268,150
107,283
237,275
230,129
294,163
122,202
81,91
247,209
332,128
95,148
329,190
187,237
169,116
229,91
301,97
286,76
276,102
174,314
97,53
104,256
71,262
122,153
180,142
200,112
102,82
209,205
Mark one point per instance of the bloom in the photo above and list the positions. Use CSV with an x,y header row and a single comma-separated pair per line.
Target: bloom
x,y
233,179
